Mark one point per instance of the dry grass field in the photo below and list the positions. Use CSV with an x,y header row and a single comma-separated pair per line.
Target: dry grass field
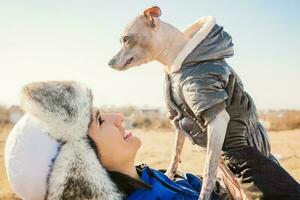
x,y
5,192
157,146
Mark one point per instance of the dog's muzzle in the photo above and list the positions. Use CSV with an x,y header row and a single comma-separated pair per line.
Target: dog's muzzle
x,y
112,62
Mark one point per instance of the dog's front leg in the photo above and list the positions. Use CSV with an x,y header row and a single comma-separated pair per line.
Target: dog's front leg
x,y
175,159
216,131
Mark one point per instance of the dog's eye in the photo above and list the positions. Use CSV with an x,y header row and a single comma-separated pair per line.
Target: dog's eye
x,y
125,39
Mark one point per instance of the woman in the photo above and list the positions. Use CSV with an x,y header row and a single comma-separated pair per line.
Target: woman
x,y
31,153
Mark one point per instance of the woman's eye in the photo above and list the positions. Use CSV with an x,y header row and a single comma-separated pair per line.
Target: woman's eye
x,y
100,121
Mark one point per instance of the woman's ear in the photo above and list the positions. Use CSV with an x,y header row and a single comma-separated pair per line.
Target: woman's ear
x,y
152,15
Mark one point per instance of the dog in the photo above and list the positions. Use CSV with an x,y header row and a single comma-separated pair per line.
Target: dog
x,y
147,38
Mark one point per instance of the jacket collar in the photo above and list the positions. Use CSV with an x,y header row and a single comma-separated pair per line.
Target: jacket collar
x,y
197,32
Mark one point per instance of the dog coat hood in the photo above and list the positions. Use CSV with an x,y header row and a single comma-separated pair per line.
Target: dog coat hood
x,y
64,110
208,42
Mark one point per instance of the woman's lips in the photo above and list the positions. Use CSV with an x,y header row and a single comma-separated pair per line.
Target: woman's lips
x,y
127,135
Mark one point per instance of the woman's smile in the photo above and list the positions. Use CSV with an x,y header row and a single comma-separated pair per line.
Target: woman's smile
x,y
127,135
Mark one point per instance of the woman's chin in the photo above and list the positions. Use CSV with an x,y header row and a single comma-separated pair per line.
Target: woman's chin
x,y
139,142
134,141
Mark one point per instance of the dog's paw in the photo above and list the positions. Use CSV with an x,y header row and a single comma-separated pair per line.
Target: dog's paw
x,y
170,174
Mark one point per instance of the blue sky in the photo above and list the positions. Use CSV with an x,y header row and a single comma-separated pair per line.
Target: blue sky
x,y
74,39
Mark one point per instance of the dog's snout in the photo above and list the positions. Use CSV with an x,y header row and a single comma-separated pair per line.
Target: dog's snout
x,y
112,62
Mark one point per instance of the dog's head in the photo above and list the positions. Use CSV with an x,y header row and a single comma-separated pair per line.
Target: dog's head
x,y
64,106
139,41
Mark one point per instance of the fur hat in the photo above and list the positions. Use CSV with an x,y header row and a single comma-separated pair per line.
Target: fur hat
x,y
65,109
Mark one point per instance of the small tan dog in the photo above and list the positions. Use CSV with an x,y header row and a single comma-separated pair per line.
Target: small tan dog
x,y
147,38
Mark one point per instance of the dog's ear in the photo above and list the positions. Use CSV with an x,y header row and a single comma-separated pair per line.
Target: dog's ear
x,y
151,15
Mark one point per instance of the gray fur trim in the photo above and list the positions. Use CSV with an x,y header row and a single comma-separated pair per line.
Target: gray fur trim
x,y
64,106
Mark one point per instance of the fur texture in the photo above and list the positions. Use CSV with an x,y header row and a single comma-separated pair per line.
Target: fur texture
x,y
66,109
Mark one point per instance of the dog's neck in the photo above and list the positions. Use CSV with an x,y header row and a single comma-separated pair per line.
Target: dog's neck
x,y
172,42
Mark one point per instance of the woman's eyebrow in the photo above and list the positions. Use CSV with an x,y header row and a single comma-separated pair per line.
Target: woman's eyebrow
x,y
97,114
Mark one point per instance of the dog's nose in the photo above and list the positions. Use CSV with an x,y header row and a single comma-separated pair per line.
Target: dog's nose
x,y
111,63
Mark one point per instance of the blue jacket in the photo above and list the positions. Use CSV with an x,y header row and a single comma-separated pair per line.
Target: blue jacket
x,y
186,188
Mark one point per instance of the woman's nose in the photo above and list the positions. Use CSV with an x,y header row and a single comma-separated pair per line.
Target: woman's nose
x,y
115,118
118,119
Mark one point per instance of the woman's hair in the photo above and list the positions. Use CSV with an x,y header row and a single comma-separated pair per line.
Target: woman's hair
x,y
125,183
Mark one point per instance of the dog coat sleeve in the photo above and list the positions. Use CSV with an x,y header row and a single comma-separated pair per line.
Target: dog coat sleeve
x,y
205,92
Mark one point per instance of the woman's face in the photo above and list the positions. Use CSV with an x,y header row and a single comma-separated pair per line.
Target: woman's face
x,y
116,146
